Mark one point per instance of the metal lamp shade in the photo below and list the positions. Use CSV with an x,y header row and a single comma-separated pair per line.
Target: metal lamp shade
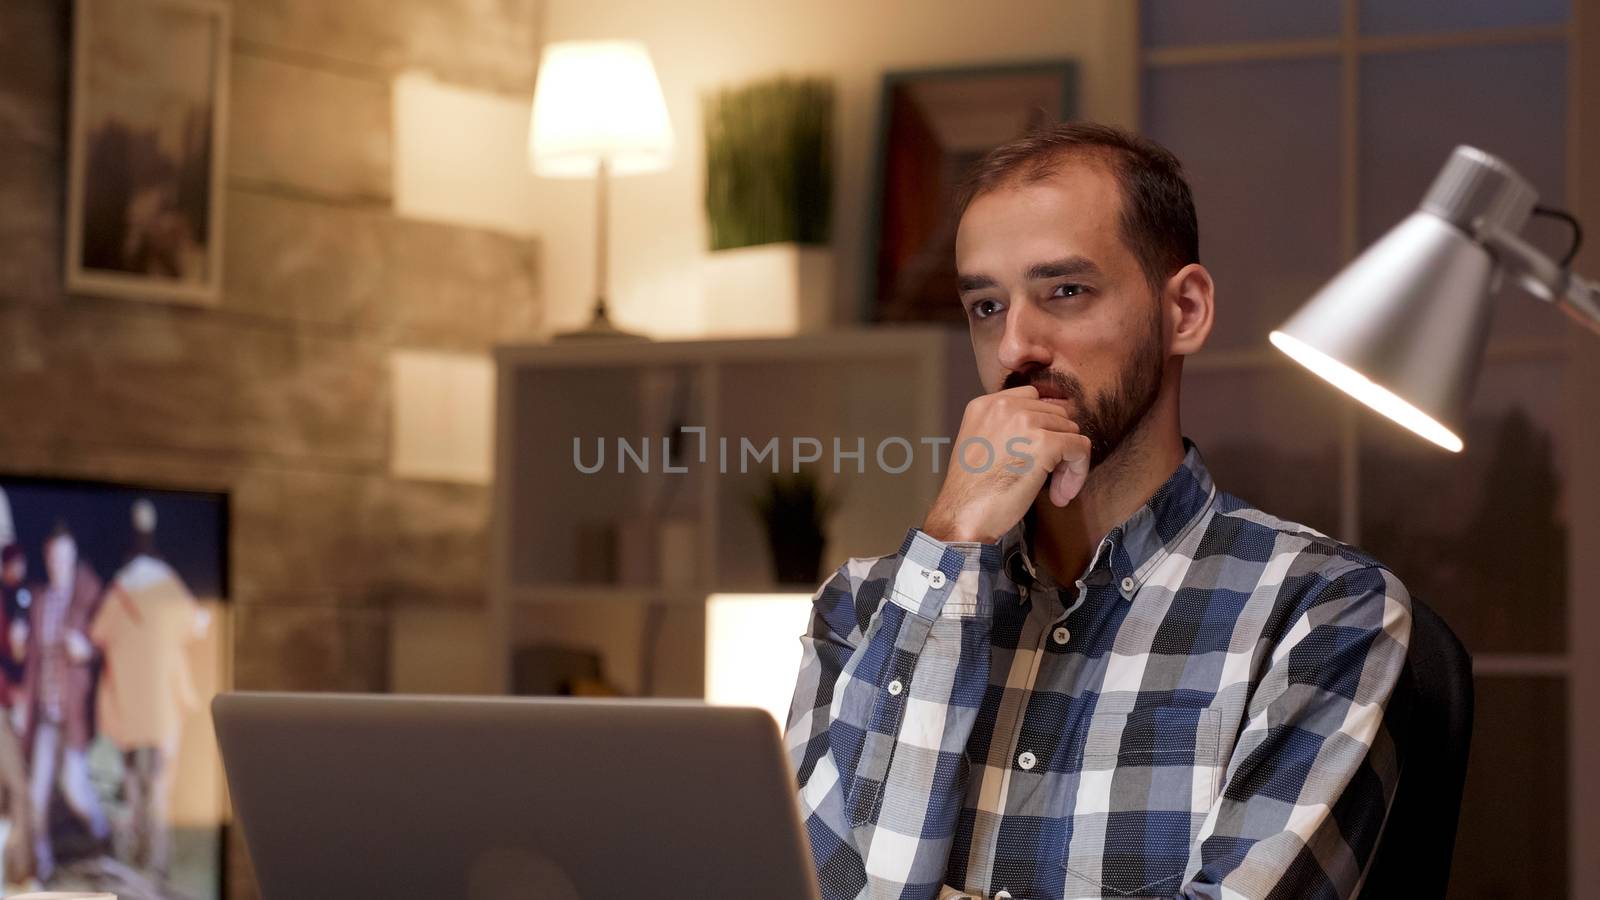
x,y
1402,329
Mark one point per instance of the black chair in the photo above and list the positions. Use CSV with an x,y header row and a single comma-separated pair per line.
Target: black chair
x,y
1433,705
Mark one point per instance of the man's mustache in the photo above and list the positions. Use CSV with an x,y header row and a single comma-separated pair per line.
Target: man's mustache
x,y
1049,382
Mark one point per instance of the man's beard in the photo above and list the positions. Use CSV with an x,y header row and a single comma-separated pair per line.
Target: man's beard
x,y
1115,412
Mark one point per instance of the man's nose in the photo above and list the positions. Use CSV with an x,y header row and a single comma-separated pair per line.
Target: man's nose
x,y
1022,343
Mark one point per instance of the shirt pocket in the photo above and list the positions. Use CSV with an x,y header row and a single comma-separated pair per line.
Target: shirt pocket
x,y
1146,781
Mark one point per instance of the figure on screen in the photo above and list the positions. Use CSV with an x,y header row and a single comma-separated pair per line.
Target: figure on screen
x,y
144,629
57,683
15,599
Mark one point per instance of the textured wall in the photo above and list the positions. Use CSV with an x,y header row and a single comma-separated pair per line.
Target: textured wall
x,y
279,395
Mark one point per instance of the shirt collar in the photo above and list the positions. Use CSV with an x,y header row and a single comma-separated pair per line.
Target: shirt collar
x,y
1132,550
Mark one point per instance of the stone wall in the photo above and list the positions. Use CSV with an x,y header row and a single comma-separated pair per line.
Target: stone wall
x,y
278,395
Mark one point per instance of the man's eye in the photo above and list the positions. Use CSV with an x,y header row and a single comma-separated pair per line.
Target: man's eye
x,y
1067,290
984,309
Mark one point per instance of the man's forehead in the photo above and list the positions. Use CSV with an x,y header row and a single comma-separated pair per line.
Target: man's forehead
x,y
1071,212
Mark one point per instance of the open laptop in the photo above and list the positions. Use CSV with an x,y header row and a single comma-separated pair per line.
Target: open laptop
x,y
346,797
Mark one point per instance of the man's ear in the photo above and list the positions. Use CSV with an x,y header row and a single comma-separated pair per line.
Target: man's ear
x,y
1189,308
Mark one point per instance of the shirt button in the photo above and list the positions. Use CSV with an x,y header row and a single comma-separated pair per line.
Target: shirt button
x,y
1027,761
1003,895
1127,585
895,687
1061,635
936,579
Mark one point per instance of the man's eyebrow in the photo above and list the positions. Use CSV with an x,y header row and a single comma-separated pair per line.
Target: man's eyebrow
x,y
1066,267
975,283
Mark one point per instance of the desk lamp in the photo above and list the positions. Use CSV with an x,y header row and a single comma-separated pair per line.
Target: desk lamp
x,y
1403,327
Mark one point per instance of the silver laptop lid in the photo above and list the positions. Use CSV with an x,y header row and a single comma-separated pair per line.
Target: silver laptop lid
x,y
355,796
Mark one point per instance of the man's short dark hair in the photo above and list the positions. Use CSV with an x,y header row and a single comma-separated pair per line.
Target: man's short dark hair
x,y
57,531
1158,220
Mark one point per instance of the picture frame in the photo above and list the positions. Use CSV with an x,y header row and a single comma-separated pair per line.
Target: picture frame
x,y
148,149
933,125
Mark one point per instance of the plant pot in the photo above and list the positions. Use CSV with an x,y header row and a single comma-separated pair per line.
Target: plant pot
x,y
768,290
797,557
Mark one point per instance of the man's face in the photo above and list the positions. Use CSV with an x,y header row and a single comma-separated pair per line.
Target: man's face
x,y
14,572
1054,298
61,556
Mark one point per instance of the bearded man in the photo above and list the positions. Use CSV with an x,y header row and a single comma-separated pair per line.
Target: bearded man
x,y
1089,672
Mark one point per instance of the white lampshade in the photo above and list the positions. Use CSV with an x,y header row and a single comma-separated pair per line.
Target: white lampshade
x,y
598,99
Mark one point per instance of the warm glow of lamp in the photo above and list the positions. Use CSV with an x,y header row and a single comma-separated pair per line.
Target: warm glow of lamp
x,y
597,112
598,100
1358,386
753,649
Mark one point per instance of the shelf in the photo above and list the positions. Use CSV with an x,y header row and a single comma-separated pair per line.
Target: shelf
x,y
535,595
583,531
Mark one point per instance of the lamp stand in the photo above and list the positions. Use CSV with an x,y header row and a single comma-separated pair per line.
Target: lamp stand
x,y
600,326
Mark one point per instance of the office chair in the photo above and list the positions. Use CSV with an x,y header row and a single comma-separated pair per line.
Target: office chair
x,y
1435,710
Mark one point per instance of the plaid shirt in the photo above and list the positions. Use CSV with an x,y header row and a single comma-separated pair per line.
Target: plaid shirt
x,y
1201,714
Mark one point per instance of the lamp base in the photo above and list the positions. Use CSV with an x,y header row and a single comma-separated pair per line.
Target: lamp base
x,y
600,327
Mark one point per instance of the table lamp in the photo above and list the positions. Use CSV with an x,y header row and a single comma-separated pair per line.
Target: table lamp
x,y
598,112
1402,328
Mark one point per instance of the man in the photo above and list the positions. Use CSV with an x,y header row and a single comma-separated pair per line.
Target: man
x,y
15,598
1089,673
144,628
57,683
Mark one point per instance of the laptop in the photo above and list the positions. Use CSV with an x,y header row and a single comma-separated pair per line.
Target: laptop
x,y
382,796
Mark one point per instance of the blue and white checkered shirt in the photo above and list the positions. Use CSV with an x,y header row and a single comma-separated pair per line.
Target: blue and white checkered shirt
x,y
1202,714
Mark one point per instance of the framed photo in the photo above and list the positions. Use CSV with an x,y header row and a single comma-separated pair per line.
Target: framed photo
x,y
145,178
933,126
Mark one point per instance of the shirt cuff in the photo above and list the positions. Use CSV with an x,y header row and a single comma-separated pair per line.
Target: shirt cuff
x,y
942,578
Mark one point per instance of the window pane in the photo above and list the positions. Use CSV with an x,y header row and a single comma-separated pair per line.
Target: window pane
x,y
1167,23
1260,143
1411,16
1416,107
1512,838
1478,535
1269,436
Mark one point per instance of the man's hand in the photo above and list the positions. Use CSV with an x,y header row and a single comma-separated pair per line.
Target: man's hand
x,y
1031,438
19,639
79,650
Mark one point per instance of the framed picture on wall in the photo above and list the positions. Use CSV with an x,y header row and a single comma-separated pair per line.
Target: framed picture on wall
x,y
933,126
148,127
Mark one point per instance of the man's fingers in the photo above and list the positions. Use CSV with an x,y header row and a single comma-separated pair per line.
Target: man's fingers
x,y
1069,474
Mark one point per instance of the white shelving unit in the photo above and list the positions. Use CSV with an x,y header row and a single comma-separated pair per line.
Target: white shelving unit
x,y
571,558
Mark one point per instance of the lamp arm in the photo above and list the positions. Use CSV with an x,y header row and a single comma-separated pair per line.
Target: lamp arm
x,y
1541,276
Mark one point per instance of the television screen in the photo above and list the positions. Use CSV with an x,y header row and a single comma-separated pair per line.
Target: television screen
x,y
113,639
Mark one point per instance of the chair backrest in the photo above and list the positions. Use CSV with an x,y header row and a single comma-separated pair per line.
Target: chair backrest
x,y
1432,713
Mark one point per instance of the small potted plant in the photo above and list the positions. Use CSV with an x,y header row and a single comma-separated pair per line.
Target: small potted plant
x,y
769,205
795,510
